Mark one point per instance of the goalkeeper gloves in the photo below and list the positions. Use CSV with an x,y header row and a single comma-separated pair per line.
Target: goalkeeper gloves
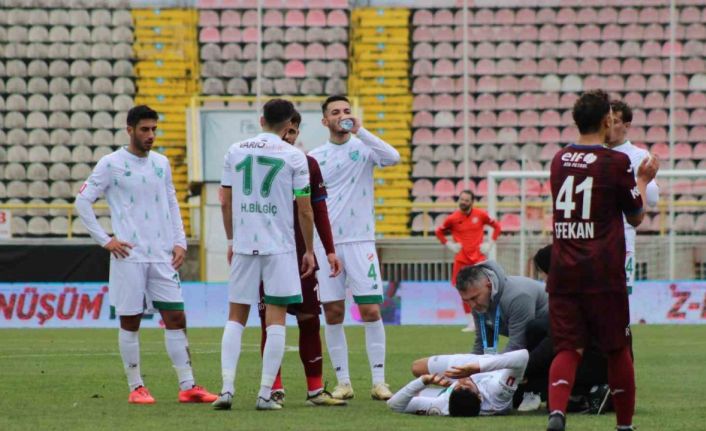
x,y
487,246
453,246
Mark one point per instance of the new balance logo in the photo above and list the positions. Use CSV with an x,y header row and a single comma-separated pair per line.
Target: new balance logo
x,y
560,382
378,366
338,368
132,365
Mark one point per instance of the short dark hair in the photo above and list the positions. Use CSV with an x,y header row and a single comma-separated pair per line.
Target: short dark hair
x,y
623,108
468,192
469,275
589,111
140,112
277,111
543,258
296,118
334,98
464,403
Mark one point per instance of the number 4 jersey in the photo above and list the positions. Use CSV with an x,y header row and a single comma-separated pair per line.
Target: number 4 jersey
x,y
265,174
592,187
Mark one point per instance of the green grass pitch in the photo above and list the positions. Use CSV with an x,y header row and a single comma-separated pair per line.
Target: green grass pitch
x,y
73,380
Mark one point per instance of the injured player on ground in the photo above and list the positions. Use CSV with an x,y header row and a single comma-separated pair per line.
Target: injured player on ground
x,y
474,385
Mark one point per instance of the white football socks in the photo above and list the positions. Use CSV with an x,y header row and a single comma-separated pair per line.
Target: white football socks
x,y
178,351
375,345
271,359
338,351
129,344
230,353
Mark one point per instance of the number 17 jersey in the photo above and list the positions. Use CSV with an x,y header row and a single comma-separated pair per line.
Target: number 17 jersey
x,y
265,174
592,187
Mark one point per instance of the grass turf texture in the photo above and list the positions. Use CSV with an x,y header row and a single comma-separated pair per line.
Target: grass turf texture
x,y
73,380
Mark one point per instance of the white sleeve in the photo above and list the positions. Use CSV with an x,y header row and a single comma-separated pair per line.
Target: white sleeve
x,y
652,194
383,154
174,212
300,175
407,401
515,360
94,187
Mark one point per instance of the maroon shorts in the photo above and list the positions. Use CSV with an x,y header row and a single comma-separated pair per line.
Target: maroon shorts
x,y
310,299
590,319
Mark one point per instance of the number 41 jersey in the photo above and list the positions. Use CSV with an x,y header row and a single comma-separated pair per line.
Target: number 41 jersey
x,y
265,174
592,187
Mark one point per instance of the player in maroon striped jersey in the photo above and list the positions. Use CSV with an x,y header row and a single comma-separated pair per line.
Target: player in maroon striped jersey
x,y
592,187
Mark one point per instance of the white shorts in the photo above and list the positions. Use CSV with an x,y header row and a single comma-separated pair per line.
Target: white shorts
x,y
278,272
361,272
135,287
630,270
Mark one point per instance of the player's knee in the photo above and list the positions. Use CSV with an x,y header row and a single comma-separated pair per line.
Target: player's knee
x,y
335,312
369,312
174,319
130,323
420,367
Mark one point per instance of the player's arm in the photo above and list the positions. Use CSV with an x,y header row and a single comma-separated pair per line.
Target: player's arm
x,y
302,193
383,154
520,312
630,191
226,197
94,187
321,220
515,360
440,233
406,400
652,193
179,251
478,343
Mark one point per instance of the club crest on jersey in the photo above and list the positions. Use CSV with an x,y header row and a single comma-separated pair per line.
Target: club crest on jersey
x,y
354,155
474,220
578,160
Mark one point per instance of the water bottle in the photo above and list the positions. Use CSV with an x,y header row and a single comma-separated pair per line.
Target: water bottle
x,y
346,124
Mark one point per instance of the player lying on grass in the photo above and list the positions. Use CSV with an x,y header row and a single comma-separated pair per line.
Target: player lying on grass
x,y
476,385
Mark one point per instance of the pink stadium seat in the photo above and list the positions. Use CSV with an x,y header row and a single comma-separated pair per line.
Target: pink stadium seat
x,y
651,49
506,101
295,69
458,121
230,18
508,83
459,136
681,117
656,134
422,152
443,17
528,118
546,15
696,100
628,15
487,166
422,102
530,83
566,16
422,169
569,33
698,117
444,169
587,15
550,118
335,51
273,18
547,101
487,84
509,188
528,134
547,65
527,50
658,82
682,151
444,34
250,34
294,51
444,50
505,17
684,222
294,18
694,65
658,117
316,18
422,34
482,188
486,136
567,100
444,188
231,35
548,33
697,134
652,66
699,151
568,66
423,50
589,32
569,134
567,117
607,15
444,67
690,14
633,99
550,135
661,150
633,32
337,18
444,136
209,35
423,67
485,16
316,51
548,152
507,119
629,66
486,119
635,83
510,222
422,223
208,18
422,137
461,186
446,102
525,16
422,188
423,119
639,118
422,17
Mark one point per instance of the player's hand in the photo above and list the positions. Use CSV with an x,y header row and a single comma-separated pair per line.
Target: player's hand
x,y
178,255
119,249
453,246
229,255
335,264
486,247
648,168
462,371
308,264
435,379
356,124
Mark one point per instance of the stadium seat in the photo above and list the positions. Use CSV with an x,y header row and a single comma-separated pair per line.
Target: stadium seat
x,y
422,169
422,188
422,223
444,188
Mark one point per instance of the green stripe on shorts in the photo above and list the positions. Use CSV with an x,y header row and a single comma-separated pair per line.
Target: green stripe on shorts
x,y
306,191
283,300
160,305
368,299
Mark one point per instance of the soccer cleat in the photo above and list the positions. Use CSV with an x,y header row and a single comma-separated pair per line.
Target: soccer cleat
x,y
469,329
223,402
140,396
530,402
278,396
381,391
599,399
263,404
196,394
343,391
324,398
557,422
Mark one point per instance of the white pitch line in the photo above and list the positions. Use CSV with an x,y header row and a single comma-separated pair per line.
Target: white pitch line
x,y
246,348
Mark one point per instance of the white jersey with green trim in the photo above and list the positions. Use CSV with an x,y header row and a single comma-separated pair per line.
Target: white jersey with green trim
x,y
265,175
143,206
637,155
347,170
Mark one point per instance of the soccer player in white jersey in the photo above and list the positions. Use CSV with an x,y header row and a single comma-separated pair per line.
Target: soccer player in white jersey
x,y
347,162
617,140
262,177
488,391
147,248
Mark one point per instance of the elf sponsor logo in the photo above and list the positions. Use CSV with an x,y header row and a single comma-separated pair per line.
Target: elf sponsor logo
x,y
578,160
